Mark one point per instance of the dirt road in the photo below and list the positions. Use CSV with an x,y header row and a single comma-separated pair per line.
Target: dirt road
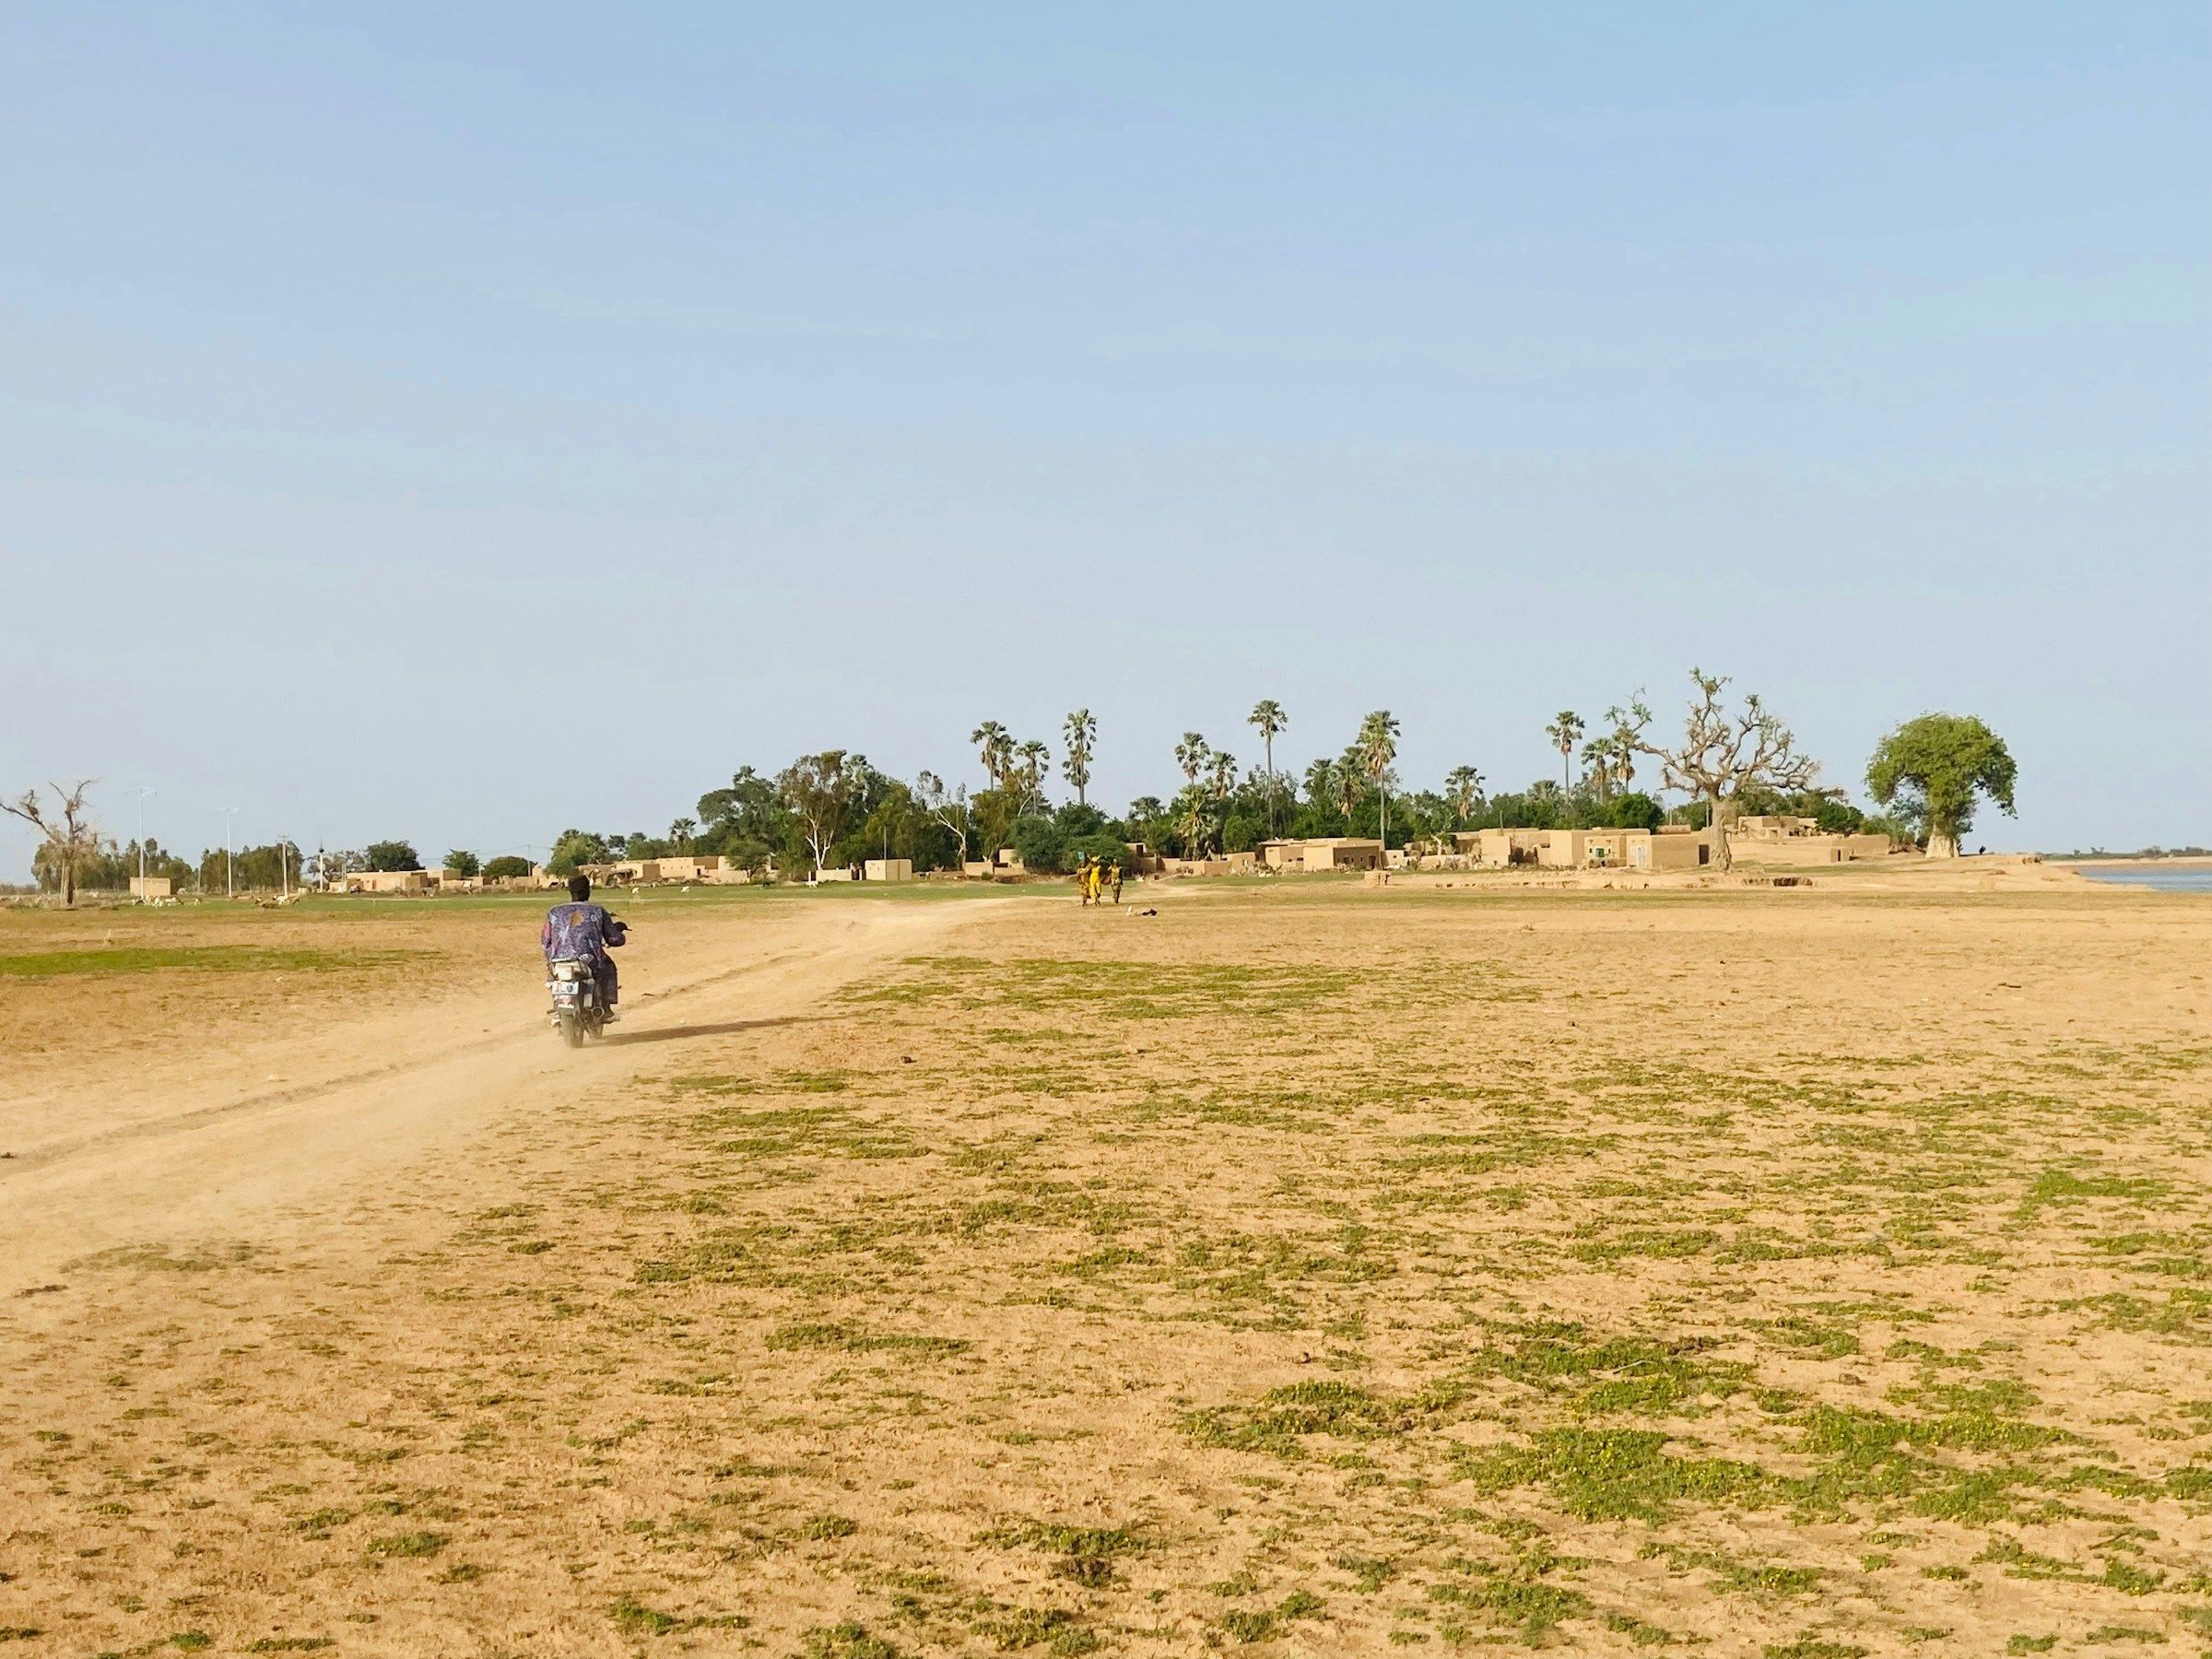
x,y
257,1139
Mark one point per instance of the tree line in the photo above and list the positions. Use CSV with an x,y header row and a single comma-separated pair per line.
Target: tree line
x,y
1731,756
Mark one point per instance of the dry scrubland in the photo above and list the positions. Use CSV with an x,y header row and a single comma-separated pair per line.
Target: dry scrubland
x,y
1309,1269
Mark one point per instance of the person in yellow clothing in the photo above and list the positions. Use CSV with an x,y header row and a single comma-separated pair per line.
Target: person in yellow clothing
x,y
1094,878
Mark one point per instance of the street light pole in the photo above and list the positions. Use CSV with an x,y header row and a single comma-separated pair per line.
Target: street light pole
x,y
144,791
230,822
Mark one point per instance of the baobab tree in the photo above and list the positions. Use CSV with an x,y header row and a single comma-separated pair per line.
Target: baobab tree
x,y
1268,719
1565,732
69,835
1720,752
1081,733
1378,747
1935,767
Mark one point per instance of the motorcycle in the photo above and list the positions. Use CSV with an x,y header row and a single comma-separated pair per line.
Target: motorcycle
x,y
577,1012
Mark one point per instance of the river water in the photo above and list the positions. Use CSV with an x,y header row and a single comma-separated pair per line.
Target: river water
x,y
2180,879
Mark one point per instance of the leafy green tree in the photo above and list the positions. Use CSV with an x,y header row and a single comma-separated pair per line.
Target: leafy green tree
x,y
571,850
463,862
749,814
1040,841
391,855
1268,719
821,791
1081,732
506,868
1632,809
1937,770
947,810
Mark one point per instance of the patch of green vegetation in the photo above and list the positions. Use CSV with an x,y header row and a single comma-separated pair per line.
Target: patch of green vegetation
x,y
1653,1244
846,1641
205,958
1616,1474
1085,1554
1263,1624
1286,1415
1617,1374
845,1339
2063,1186
408,1545
1369,1574
1517,1594
825,1529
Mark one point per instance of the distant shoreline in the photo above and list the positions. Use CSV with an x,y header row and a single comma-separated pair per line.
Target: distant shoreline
x,y
2128,859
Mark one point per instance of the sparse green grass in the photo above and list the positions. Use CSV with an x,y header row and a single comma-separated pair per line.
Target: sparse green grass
x,y
203,959
1385,1254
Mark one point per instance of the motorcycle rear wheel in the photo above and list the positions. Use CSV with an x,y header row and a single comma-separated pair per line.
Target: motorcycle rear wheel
x,y
571,1028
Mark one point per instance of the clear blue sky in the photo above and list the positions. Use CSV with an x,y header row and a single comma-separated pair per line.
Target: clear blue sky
x,y
459,422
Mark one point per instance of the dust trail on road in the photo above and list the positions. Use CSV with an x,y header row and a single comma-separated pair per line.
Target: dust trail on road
x,y
211,1153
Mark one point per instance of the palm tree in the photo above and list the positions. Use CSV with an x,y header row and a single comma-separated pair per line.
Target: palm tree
x,y
1221,773
1190,755
1320,781
1599,757
994,747
1378,747
1036,761
1624,747
1081,732
1268,719
1463,788
1349,765
1565,732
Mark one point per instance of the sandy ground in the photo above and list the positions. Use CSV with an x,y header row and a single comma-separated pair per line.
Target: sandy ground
x,y
1309,1267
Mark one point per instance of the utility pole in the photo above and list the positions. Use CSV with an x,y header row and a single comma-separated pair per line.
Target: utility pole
x,y
230,823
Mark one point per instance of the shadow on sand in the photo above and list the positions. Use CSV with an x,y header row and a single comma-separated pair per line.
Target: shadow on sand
x,y
728,1028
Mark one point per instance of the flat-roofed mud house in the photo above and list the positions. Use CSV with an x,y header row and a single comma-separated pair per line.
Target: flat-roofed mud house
x,y
1322,852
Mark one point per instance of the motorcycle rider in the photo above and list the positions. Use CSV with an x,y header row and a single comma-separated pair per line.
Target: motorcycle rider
x,y
581,931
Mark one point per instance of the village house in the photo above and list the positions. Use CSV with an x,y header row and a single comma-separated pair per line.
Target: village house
x,y
1324,853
